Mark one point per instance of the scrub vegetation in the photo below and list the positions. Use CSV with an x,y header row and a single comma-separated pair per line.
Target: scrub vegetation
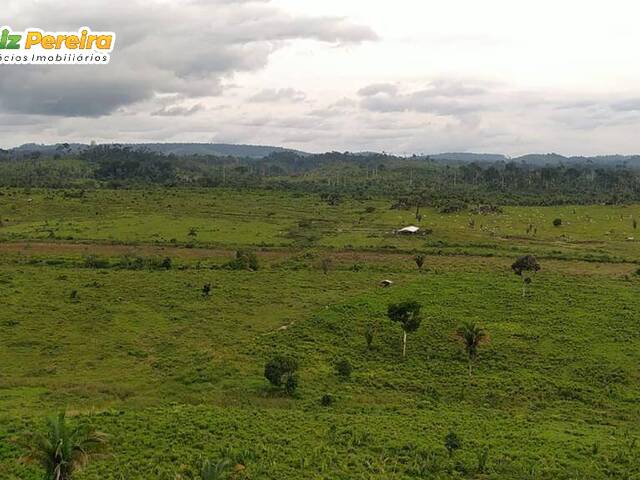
x,y
191,333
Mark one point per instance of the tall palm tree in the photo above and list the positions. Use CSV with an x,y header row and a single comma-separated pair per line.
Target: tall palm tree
x,y
63,450
471,337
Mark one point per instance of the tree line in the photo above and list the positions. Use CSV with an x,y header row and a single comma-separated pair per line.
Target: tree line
x,y
331,174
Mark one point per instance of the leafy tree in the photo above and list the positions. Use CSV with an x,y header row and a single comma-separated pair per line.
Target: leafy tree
x,y
407,314
281,372
471,337
419,259
63,450
525,267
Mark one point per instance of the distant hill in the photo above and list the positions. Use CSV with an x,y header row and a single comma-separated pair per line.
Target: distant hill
x,y
220,149
469,157
261,151
556,159
537,159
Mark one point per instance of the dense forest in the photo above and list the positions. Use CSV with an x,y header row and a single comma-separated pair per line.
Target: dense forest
x,y
412,180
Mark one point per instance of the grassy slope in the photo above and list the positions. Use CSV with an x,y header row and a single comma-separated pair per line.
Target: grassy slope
x,y
171,375
226,218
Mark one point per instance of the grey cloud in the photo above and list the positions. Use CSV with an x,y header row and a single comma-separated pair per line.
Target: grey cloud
x,y
628,105
376,88
178,111
441,97
278,95
186,48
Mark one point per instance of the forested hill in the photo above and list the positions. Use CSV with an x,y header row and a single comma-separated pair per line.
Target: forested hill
x,y
29,150
332,175
221,149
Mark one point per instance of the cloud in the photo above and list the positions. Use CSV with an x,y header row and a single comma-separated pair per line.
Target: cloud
x,y
178,111
184,47
278,95
627,105
376,88
441,97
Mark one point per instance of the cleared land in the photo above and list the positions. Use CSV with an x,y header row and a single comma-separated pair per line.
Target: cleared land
x,y
172,375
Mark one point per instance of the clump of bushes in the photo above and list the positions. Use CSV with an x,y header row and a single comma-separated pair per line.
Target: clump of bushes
x,y
130,262
281,372
136,262
331,198
453,206
245,260
92,261
486,209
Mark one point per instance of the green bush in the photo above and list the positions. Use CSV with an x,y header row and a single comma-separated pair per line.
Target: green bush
x,y
245,260
344,368
327,400
92,261
280,371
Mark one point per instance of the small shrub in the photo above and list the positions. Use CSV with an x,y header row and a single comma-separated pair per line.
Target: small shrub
x,y
357,267
557,222
129,262
325,265
453,206
369,334
327,400
344,368
291,384
92,261
483,458
452,443
206,289
245,260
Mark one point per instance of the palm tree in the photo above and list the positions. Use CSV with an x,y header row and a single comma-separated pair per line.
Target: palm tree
x,y
63,450
215,471
471,337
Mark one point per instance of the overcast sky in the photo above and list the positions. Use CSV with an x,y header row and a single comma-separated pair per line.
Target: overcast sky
x,y
403,76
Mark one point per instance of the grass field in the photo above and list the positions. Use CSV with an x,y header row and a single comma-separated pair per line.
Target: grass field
x,y
173,376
